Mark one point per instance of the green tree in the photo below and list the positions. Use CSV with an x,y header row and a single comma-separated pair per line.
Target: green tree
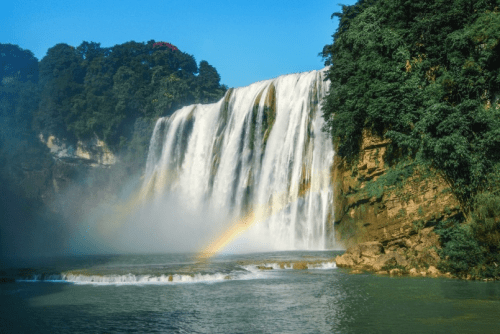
x,y
61,78
425,75
17,63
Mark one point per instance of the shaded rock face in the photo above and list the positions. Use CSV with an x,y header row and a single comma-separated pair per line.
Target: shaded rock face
x,y
401,221
48,194
42,174
93,152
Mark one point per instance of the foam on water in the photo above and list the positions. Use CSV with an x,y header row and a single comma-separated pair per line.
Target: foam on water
x,y
244,272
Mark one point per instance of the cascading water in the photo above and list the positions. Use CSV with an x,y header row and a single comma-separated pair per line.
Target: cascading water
x,y
260,146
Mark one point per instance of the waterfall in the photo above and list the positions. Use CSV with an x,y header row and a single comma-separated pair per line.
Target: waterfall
x,y
260,145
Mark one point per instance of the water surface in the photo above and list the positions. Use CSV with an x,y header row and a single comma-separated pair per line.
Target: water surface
x,y
254,293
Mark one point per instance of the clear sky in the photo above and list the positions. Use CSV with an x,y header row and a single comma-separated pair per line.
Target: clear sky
x,y
246,41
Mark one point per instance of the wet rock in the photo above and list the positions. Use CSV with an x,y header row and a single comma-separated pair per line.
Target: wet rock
x,y
345,260
385,260
389,260
413,272
299,265
395,272
364,254
433,271
371,249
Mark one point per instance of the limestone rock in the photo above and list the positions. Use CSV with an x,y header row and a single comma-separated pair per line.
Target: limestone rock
x,y
433,271
389,222
385,260
413,272
395,272
345,260
371,249
364,254
388,260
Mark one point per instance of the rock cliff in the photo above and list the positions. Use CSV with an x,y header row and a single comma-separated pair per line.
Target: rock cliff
x,y
47,187
394,221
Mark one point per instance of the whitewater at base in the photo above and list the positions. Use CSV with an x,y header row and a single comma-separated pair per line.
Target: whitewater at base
x,y
177,269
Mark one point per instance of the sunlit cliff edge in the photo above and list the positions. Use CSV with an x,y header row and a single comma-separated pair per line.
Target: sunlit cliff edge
x,y
391,231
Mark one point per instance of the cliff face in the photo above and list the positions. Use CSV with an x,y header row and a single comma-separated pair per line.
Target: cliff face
x,y
44,173
93,152
400,219
47,187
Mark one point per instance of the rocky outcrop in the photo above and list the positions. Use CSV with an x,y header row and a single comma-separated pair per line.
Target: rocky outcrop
x,y
373,256
398,219
93,152
48,191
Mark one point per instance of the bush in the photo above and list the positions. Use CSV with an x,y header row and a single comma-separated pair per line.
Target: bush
x,y
460,251
473,247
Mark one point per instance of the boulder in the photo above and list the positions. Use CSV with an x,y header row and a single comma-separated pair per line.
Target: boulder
x,y
413,272
389,259
371,249
345,260
365,253
264,268
395,272
433,271
384,260
382,272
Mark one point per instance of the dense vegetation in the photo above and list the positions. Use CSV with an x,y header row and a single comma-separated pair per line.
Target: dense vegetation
x,y
114,93
426,74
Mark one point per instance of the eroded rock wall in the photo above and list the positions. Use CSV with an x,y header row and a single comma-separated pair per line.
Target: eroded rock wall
x,y
401,220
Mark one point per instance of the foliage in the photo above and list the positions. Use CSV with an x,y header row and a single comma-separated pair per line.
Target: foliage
x,y
392,180
461,251
471,246
17,63
113,93
18,99
122,83
425,75
165,44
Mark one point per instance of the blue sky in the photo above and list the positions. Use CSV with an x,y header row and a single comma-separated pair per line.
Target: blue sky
x,y
246,41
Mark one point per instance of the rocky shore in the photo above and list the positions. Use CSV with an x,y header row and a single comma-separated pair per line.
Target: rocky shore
x,y
416,256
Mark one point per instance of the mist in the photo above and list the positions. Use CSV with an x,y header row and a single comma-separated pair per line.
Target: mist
x,y
52,208
162,225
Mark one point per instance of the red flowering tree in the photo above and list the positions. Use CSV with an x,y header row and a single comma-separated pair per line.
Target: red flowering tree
x,y
165,44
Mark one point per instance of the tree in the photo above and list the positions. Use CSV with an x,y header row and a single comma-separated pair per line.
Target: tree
x,y
425,75
17,63
208,81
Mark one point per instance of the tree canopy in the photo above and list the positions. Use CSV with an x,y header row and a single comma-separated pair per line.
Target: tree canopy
x,y
424,74
116,93
91,90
